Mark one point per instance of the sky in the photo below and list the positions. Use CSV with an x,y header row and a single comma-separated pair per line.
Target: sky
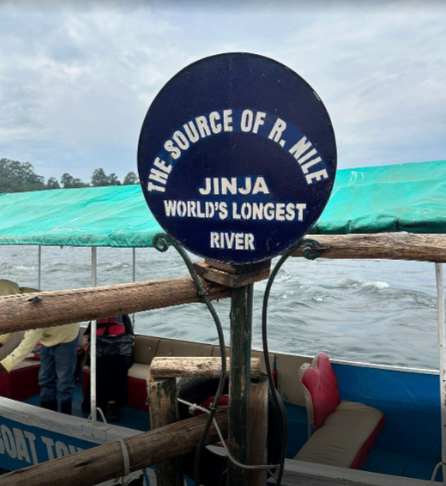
x,y
77,78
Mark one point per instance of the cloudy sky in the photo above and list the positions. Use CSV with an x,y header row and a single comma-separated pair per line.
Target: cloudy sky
x,y
77,78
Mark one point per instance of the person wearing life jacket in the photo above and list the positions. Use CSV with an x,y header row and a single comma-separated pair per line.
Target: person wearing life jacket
x,y
114,356
58,355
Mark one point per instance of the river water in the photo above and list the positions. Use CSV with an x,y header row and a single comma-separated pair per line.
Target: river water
x,y
369,311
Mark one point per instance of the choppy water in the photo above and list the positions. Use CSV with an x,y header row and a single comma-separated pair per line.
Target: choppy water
x,y
369,311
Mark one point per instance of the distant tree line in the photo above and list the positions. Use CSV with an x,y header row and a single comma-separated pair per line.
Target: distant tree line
x,y
18,176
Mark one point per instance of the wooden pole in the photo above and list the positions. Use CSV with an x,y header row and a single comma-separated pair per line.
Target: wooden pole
x,y
258,431
195,368
105,462
239,382
390,246
47,309
163,409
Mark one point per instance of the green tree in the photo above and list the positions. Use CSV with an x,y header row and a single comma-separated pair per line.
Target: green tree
x,y
52,183
18,176
130,179
68,181
113,180
100,178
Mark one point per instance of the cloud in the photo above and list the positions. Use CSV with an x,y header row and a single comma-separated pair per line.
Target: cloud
x,y
77,80
379,73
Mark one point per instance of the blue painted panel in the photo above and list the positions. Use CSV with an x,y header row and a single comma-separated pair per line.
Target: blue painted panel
x,y
24,445
382,462
297,428
410,402
237,158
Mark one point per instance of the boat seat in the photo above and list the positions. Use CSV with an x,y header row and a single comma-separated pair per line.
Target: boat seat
x,y
340,433
146,348
137,378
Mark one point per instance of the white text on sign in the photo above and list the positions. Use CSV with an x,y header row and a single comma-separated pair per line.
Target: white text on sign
x,y
250,121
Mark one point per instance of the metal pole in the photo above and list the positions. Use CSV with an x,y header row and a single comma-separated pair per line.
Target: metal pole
x,y
239,382
134,280
39,271
93,343
442,352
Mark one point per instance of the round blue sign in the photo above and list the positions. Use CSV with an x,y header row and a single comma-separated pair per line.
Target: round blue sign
x,y
237,158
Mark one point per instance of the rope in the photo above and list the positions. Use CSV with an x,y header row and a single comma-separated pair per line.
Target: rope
x,y
193,406
126,459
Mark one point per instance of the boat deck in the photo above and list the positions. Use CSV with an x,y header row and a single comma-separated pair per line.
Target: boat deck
x,y
378,461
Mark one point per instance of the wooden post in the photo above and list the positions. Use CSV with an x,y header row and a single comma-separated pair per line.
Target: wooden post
x,y
105,462
163,408
258,431
240,278
239,382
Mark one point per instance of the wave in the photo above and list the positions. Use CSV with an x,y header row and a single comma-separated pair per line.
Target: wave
x,y
373,311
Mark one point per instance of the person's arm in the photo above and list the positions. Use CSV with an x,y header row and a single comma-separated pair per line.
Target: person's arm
x,y
23,349
14,340
4,338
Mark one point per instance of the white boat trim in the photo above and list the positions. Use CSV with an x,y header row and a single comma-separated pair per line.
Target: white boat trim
x,y
442,358
352,363
70,425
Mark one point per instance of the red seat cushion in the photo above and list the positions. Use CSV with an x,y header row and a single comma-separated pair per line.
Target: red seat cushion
x,y
322,385
24,383
21,383
137,394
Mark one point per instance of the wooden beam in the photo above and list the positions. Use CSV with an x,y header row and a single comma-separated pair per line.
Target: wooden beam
x,y
47,309
105,462
195,367
163,407
390,246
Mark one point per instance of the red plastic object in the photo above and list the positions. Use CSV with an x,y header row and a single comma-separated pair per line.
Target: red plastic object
x,y
223,402
322,384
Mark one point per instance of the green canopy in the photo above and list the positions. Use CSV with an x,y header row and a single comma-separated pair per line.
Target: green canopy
x,y
389,198
90,216
408,197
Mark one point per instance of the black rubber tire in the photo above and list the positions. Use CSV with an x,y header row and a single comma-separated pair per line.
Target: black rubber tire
x,y
212,466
